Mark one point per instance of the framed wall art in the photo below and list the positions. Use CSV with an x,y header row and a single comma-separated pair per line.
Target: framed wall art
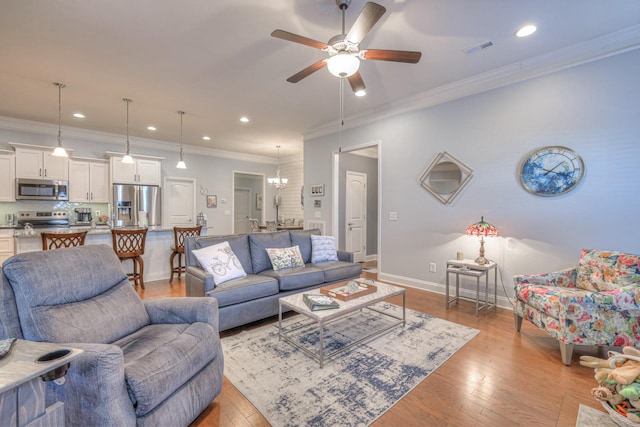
x,y
317,190
259,201
212,201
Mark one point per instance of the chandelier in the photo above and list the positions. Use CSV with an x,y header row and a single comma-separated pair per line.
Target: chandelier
x,y
277,182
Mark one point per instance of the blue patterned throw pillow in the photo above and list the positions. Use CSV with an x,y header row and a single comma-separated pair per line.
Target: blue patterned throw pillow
x,y
323,249
285,257
221,262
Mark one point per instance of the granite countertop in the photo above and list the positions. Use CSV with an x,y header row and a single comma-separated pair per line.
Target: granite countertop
x,y
99,229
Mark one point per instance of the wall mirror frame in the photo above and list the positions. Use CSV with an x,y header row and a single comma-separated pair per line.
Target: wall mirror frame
x,y
445,177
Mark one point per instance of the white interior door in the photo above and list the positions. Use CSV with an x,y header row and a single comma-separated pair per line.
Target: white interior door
x,y
356,215
241,209
179,202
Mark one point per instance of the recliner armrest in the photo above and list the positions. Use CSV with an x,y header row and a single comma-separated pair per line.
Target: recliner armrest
x,y
95,390
562,278
183,310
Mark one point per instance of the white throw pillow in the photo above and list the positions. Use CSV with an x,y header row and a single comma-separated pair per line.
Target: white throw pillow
x,y
323,249
220,261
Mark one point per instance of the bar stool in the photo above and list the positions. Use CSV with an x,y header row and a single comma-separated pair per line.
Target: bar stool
x,y
62,240
129,244
179,234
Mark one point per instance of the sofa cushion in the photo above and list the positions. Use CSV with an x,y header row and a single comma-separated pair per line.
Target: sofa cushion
x,y
302,238
296,278
323,249
220,261
259,242
239,244
159,359
338,270
96,304
245,289
606,270
282,258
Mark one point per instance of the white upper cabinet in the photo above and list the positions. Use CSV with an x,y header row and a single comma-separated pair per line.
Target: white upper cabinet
x,y
142,171
88,181
40,164
8,176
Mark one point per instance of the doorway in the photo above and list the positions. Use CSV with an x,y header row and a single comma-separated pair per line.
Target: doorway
x,y
363,159
248,190
356,214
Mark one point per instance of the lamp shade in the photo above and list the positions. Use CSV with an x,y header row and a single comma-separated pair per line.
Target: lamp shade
x,y
343,64
482,228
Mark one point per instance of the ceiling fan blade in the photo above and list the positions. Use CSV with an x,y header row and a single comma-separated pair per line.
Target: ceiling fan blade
x,y
370,14
285,35
356,82
307,71
391,55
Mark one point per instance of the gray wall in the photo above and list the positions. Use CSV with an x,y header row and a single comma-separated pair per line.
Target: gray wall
x,y
355,163
591,108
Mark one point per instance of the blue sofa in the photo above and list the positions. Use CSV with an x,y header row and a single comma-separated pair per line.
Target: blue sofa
x,y
145,363
255,296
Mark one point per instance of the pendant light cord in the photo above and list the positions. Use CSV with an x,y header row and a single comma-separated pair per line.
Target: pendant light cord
x,y
181,114
60,86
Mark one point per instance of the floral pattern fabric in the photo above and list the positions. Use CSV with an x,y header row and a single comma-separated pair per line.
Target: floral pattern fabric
x,y
285,257
575,311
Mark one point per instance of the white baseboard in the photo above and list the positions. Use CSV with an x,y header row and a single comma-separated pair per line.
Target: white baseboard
x,y
438,288
369,258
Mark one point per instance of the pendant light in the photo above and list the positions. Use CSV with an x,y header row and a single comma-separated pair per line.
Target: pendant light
x,y
127,157
181,164
278,182
59,150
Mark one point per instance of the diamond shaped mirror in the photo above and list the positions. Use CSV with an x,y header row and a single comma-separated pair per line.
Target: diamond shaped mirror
x,y
445,177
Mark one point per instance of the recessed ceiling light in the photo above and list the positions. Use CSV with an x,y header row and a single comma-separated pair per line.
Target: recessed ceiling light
x,y
361,92
151,128
244,119
527,30
206,138
78,115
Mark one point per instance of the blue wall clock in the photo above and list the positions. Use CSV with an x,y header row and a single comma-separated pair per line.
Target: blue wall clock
x,y
551,171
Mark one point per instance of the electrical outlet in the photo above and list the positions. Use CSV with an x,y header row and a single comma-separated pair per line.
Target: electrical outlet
x,y
393,216
98,214
432,267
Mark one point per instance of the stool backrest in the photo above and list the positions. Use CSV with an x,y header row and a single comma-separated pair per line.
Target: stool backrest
x,y
62,240
128,243
181,233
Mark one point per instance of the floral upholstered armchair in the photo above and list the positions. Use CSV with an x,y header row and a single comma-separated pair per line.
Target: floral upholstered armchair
x,y
596,302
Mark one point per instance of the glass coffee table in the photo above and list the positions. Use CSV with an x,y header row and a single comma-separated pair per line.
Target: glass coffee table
x,y
322,318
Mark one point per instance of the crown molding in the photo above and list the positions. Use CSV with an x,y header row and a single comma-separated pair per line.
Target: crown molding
x,y
13,124
595,49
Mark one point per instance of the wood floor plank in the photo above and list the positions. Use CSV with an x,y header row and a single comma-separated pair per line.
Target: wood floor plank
x,y
501,377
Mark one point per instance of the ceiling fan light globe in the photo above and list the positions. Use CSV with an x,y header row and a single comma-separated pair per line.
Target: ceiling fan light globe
x,y
343,65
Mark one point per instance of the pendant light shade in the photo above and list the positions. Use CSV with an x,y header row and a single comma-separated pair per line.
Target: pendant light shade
x,y
59,150
181,164
127,157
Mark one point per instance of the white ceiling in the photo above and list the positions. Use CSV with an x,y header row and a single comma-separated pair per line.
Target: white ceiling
x,y
215,60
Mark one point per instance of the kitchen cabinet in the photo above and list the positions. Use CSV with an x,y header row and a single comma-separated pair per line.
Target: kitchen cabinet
x,y
88,181
7,176
142,171
37,163
7,247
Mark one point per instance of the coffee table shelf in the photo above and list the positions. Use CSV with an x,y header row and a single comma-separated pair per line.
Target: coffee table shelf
x,y
324,317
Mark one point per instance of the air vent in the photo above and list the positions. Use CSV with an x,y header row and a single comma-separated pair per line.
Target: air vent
x,y
476,49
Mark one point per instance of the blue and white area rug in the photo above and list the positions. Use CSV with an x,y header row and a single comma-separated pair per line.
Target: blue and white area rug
x,y
290,389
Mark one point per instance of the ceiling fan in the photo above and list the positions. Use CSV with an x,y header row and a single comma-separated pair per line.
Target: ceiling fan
x,y
344,49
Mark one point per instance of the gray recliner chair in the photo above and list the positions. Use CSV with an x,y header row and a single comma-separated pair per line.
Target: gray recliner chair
x,y
145,363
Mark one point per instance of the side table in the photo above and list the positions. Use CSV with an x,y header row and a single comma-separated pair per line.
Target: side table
x,y
22,391
468,267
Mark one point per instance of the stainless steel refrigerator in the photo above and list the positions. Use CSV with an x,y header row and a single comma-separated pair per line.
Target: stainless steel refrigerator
x,y
129,200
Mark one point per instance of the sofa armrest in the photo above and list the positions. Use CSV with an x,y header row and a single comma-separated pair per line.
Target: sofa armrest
x,y
198,281
95,392
183,310
562,278
345,256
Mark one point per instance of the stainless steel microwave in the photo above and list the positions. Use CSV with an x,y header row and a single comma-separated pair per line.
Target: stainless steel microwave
x,y
41,189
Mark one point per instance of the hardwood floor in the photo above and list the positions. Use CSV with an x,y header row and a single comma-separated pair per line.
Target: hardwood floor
x,y
500,378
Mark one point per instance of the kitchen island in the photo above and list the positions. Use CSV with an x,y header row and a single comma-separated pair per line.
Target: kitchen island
x,y
158,246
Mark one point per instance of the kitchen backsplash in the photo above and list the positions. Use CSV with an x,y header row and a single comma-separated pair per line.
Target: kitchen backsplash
x,y
37,205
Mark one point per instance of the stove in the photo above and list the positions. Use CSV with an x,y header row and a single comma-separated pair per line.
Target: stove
x,y
37,219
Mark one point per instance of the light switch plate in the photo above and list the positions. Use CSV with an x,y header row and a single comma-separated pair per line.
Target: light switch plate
x,y
393,216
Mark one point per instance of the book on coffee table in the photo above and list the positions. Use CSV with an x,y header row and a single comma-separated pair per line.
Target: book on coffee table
x,y
319,302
